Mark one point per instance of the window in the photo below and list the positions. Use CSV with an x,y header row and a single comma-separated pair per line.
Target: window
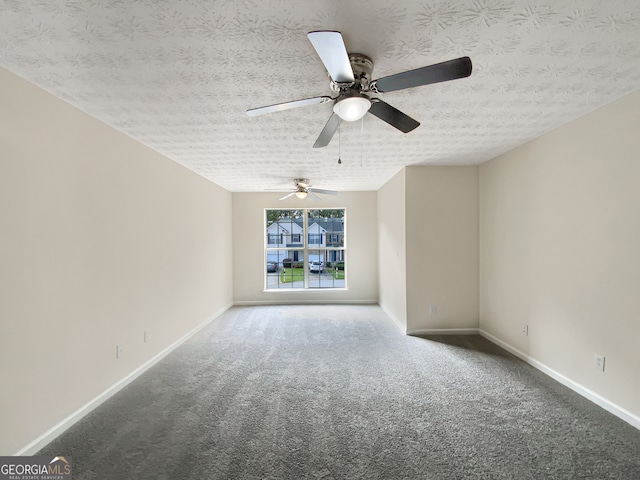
x,y
274,239
317,263
315,239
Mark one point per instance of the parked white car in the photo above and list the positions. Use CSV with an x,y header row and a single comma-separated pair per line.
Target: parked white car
x,y
316,267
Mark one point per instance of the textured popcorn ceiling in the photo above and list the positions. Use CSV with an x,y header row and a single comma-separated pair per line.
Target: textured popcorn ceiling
x,y
178,75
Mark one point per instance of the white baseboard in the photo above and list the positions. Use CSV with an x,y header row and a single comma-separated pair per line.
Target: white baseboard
x,y
609,406
442,331
63,425
395,321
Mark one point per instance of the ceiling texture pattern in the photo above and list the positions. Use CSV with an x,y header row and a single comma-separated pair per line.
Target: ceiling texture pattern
x,y
178,75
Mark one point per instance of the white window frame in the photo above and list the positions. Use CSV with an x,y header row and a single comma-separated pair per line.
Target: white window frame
x,y
305,248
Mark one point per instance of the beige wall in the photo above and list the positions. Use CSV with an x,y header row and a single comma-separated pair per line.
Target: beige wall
x,y
101,239
248,248
442,248
392,254
559,250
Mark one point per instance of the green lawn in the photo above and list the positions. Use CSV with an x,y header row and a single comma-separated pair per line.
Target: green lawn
x,y
289,275
338,276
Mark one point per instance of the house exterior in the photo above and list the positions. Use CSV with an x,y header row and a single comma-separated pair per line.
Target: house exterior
x,y
284,240
284,235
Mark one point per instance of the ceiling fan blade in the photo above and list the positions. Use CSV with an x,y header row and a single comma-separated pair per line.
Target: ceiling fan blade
x,y
287,105
333,53
287,196
322,190
313,196
328,131
440,72
392,116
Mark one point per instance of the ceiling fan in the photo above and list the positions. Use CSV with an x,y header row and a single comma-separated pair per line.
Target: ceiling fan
x,y
304,188
350,79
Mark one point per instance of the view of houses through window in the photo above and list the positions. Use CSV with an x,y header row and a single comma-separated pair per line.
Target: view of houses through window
x,y
305,248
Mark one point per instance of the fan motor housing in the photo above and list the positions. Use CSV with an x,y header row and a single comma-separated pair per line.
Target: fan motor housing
x,y
362,67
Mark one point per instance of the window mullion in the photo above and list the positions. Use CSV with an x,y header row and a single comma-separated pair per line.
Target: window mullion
x,y
305,253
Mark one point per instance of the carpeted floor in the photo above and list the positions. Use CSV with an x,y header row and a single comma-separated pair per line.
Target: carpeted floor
x,y
338,392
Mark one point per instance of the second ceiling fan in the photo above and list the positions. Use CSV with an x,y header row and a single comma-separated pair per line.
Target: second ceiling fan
x,y
351,80
303,188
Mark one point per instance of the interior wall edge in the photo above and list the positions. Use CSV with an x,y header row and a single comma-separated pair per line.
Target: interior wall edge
x,y
442,253
392,317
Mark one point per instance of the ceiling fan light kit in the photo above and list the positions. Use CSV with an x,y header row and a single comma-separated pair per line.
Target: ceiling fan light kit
x,y
352,106
350,77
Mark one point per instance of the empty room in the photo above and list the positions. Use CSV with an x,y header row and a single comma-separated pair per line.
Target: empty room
x,y
343,239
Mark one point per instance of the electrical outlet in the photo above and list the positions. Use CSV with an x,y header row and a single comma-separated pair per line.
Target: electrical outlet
x,y
147,336
525,330
599,362
433,309
119,351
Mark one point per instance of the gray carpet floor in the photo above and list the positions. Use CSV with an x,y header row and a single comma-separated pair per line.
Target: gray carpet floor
x,y
338,392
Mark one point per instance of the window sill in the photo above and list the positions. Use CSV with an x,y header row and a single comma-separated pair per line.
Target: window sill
x,y
298,290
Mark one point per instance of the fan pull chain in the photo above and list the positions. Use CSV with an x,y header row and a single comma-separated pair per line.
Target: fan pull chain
x,y
339,142
361,141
